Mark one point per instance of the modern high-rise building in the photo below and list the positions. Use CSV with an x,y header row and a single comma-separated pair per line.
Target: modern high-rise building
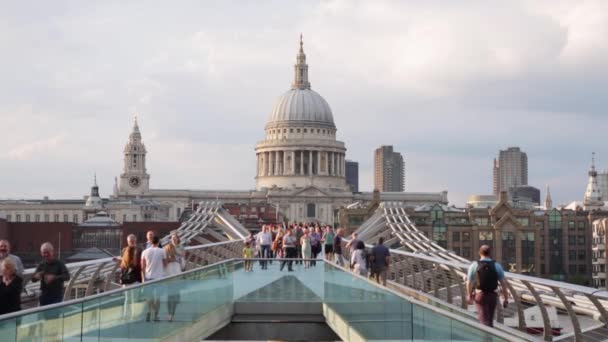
x,y
352,175
389,170
510,170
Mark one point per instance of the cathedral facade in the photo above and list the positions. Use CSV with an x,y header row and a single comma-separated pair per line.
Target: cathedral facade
x,y
300,171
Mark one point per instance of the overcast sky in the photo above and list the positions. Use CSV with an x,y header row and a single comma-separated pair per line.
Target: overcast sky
x,y
447,83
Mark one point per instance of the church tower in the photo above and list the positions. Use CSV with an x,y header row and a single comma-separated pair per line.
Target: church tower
x,y
548,200
134,179
593,197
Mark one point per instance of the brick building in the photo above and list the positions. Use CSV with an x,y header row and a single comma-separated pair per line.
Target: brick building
x,y
553,243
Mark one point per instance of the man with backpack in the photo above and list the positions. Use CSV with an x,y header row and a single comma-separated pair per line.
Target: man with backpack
x,y
482,282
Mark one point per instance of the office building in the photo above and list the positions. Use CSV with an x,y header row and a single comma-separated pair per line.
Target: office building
x,y
389,170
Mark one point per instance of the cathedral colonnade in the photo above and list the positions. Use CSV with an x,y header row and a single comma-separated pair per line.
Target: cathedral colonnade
x,y
300,162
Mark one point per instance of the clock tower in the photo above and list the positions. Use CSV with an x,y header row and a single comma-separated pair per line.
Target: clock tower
x,y
134,179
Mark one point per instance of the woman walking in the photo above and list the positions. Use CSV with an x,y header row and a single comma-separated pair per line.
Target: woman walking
x,y
130,273
277,245
175,261
328,240
358,260
306,247
10,287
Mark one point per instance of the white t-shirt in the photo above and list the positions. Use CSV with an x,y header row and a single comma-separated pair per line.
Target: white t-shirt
x,y
154,262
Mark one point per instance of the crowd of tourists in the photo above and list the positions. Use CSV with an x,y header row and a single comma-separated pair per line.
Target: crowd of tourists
x,y
305,242
50,272
153,262
297,243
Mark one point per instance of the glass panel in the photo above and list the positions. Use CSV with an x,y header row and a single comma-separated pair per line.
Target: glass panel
x,y
8,329
370,311
63,323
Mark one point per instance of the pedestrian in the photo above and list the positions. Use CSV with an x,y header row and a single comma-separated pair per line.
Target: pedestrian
x,y
153,262
328,240
315,244
264,240
174,253
289,250
149,237
358,259
247,255
10,287
352,244
298,232
251,239
5,252
338,247
277,245
130,266
306,247
130,273
380,257
51,273
482,282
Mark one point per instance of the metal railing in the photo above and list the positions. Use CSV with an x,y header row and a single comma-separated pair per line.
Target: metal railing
x,y
92,277
427,267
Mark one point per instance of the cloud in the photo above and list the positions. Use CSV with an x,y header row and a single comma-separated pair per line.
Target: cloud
x,y
36,148
447,83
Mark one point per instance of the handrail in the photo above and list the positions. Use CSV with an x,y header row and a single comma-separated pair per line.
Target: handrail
x,y
501,333
509,275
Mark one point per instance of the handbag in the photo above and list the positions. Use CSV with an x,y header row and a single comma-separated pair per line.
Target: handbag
x,y
128,276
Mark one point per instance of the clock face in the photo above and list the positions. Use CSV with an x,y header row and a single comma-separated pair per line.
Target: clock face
x,y
134,182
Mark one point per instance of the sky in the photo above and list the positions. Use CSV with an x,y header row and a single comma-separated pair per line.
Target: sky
x,y
447,83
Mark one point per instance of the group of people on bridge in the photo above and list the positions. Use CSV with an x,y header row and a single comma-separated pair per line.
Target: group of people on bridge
x,y
299,242
305,241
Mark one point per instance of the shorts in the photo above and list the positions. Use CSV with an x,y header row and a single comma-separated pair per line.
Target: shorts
x,y
329,248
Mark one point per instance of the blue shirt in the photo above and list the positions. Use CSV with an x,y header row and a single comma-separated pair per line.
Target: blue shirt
x,y
473,269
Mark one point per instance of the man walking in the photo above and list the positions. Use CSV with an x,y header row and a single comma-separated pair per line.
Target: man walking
x,y
5,252
338,247
352,244
380,257
264,239
153,262
289,246
482,281
149,237
51,273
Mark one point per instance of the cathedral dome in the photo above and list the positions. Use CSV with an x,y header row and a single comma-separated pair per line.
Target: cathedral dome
x,y
301,106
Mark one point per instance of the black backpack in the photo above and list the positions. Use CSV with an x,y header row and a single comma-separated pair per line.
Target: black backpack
x,y
487,277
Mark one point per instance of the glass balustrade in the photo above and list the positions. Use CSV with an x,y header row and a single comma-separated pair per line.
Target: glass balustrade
x,y
369,311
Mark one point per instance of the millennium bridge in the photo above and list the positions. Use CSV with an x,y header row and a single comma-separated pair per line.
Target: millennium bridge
x,y
425,297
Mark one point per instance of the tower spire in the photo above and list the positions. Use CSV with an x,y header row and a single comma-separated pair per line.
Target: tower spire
x,y
548,200
593,197
300,80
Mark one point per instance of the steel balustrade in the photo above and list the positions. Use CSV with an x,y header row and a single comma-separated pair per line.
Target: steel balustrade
x,y
422,265
102,275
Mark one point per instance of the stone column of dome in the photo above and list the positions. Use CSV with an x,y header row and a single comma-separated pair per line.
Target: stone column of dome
x,y
310,163
319,170
277,165
285,166
302,163
333,163
258,170
293,162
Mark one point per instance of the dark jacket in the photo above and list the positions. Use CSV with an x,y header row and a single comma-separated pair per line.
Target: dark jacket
x,y
61,273
10,295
